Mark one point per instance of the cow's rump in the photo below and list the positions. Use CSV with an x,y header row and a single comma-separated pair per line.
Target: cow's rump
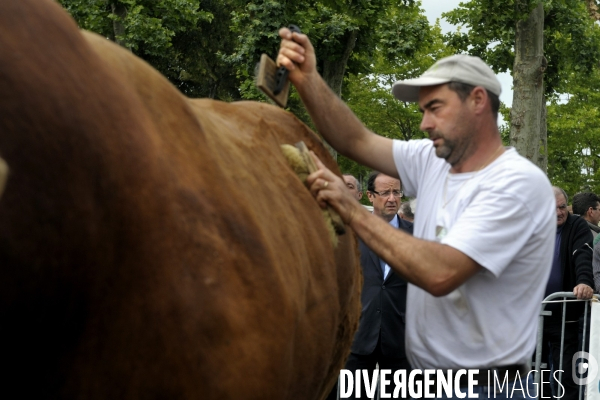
x,y
153,246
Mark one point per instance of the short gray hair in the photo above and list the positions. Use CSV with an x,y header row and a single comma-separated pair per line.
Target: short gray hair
x,y
358,184
407,209
558,190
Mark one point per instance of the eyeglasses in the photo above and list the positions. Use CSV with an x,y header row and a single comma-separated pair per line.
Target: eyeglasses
x,y
396,193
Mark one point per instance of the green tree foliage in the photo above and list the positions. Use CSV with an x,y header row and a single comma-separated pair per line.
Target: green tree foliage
x,y
571,39
574,136
181,38
369,94
345,34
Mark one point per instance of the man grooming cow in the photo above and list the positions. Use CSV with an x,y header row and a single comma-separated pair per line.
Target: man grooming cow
x,y
483,240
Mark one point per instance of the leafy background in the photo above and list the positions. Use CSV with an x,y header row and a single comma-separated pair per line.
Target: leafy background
x,y
211,48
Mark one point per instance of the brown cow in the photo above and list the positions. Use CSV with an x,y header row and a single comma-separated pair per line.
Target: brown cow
x,y
152,246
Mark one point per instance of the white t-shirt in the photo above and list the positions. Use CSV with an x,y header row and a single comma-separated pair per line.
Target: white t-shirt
x,y
502,217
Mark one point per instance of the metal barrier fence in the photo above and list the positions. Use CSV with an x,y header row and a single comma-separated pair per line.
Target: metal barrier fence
x,y
565,297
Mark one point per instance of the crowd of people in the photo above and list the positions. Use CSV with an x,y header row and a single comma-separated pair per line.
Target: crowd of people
x,y
489,239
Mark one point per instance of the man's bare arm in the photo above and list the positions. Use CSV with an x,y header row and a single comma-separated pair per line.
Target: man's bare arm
x,y
437,268
332,117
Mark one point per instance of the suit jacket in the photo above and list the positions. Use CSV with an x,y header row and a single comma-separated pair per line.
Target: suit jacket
x,y
576,255
383,305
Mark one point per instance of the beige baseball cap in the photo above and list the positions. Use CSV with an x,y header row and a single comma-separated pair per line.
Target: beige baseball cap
x,y
457,68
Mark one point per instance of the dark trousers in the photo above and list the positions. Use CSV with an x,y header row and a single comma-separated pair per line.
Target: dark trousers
x,y
368,362
551,355
587,331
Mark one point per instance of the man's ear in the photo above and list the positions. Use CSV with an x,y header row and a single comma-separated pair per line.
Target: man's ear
x,y
479,98
370,196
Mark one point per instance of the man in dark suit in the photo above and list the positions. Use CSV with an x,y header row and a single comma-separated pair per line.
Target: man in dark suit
x,y
571,272
380,335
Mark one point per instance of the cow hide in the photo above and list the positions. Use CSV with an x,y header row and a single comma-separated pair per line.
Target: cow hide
x,y
153,246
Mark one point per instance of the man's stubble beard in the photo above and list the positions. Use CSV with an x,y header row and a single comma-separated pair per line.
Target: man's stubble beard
x,y
455,151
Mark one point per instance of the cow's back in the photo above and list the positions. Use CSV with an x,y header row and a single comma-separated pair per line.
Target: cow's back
x,y
154,246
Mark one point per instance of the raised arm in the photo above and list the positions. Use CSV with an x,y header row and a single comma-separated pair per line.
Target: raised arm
x,y
332,117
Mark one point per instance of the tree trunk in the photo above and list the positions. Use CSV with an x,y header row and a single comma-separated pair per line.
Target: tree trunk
x,y
333,72
528,122
592,9
543,155
118,27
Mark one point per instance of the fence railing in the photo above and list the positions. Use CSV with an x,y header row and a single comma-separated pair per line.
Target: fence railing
x,y
564,298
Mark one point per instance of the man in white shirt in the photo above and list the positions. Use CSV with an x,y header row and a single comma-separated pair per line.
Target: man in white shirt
x,y
482,247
